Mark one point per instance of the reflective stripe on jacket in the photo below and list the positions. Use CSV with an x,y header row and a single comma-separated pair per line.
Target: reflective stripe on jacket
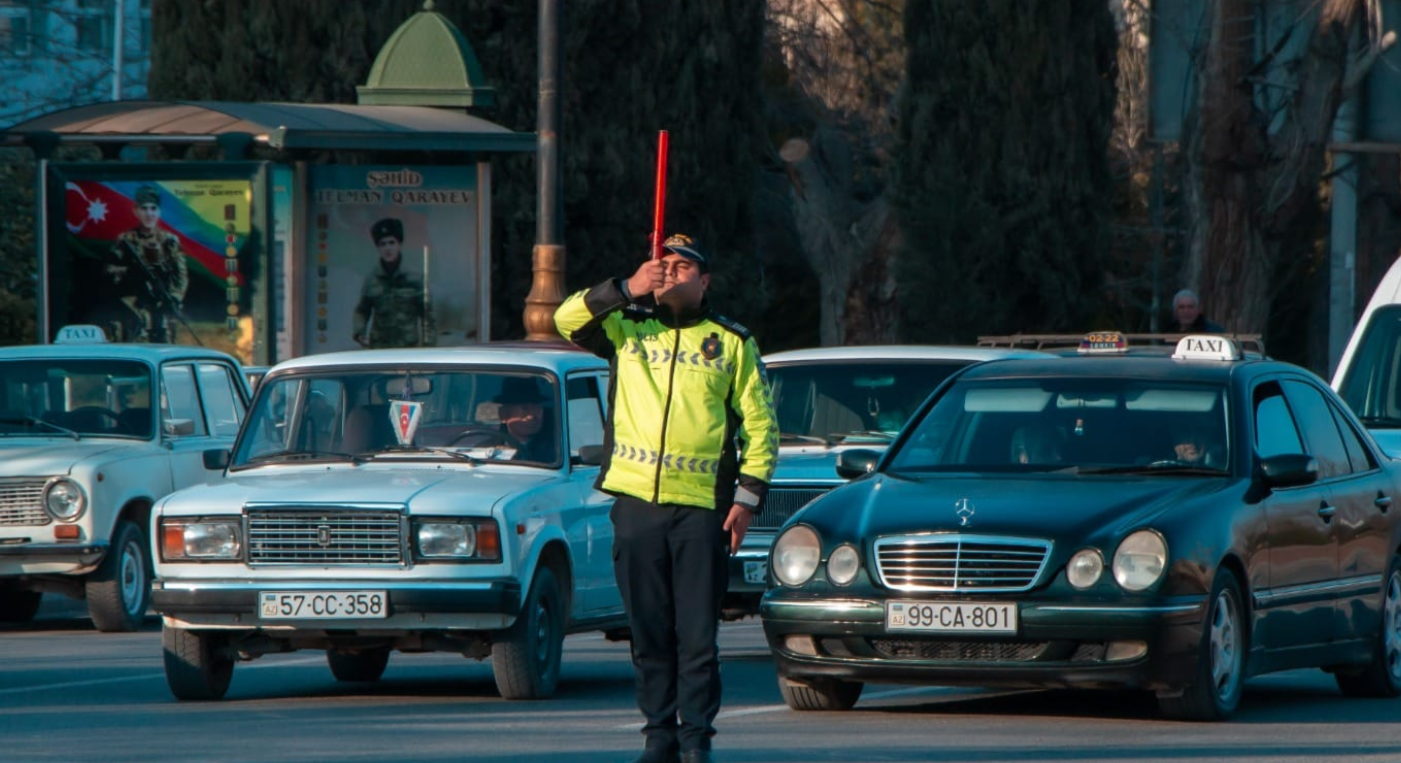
x,y
689,390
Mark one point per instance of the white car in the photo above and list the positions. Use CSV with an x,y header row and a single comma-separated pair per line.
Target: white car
x,y
828,400
1368,377
375,502
92,434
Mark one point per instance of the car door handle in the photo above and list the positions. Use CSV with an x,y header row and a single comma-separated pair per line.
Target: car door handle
x,y
1382,502
1326,512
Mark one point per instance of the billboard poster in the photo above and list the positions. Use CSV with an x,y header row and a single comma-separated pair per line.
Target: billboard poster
x,y
152,259
393,257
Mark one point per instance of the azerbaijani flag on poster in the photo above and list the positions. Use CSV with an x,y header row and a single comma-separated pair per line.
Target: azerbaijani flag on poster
x,y
210,217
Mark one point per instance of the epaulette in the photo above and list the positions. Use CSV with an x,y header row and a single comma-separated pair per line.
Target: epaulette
x,y
731,325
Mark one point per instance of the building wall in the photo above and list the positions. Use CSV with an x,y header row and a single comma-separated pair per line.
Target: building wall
x,y
60,53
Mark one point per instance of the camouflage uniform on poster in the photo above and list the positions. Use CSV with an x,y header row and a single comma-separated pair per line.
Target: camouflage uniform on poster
x,y
149,274
395,309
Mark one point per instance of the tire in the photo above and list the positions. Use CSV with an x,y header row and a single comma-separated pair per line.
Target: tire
x,y
1381,678
197,667
366,665
119,591
525,659
1215,692
820,693
18,605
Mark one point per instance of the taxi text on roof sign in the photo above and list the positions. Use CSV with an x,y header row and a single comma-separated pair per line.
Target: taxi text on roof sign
x,y
1097,342
80,334
1206,347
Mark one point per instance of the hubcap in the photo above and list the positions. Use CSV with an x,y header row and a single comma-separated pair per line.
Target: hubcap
x,y
542,636
133,578
1225,645
1391,626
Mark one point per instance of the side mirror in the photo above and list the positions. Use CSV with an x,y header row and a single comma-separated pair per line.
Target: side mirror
x,y
216,459
857,462
1289,470
590,455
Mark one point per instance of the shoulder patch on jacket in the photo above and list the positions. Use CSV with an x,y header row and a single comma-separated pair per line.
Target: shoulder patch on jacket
x,y
731,325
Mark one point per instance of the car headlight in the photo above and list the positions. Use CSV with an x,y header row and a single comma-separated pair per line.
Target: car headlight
x,y
843,565
458,540
796,554
201,539
1140,560
64,499
1085,568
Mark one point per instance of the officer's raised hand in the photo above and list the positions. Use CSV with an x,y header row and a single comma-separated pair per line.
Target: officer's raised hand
x,y
647,279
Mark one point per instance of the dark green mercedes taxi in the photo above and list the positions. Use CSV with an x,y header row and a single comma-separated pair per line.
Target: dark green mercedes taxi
x,y
1174,519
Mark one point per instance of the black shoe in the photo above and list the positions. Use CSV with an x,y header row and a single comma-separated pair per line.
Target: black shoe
x,y
657,756
696,756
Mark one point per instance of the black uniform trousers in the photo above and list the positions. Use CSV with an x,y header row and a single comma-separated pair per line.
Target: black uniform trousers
x,y
671,568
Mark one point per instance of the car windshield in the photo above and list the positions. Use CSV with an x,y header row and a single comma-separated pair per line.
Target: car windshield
x,y
845,402
1079,425
359,416
73,398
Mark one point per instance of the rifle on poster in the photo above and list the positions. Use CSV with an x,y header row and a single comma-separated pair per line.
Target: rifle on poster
x,y
155,287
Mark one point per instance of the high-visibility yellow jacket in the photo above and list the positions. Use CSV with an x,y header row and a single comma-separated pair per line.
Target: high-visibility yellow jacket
x,y
683,391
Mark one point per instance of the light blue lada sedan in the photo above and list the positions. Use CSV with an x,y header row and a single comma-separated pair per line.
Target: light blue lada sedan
x,y
415,500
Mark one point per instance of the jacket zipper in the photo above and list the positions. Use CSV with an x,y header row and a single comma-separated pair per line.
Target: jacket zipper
x,y
666,418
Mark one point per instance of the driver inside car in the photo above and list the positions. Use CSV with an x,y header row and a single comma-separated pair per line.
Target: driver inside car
x,y
523,417
1192,446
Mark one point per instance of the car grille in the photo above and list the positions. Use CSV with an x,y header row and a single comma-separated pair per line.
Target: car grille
x,y
22,501
782,503
960,562
325,536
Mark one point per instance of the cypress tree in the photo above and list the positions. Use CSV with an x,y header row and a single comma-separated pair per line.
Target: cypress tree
x,y
1002,182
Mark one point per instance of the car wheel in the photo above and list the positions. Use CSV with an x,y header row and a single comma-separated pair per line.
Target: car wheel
x,y
197,665
120,589
1382,676
1216,690
820,693
18,605
364,665
526,658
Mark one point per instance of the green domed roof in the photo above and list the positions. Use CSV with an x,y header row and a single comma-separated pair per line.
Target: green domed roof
x,y
426,62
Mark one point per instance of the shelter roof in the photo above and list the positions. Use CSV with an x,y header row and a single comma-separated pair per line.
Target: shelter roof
x,y
278,125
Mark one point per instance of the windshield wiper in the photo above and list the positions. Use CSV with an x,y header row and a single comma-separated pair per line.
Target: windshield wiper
x,y
1380,422
304,455
33,421
1186,469
468,457
874,433
791,437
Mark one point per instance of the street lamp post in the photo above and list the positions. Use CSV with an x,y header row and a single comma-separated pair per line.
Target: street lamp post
x,y
547,260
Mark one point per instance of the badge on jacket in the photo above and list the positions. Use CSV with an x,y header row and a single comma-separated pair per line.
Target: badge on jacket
x,y
710,348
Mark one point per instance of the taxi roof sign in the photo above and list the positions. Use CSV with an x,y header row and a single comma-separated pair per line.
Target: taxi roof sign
x,y
80,334
1206,347
1103,343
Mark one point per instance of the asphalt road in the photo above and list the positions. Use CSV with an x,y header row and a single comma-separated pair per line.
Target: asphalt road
x,y
69,694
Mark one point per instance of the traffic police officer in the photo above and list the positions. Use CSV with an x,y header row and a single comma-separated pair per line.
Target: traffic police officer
x,y
687,385
395,309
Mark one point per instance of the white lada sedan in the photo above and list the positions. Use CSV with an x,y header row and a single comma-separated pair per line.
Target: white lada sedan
x,y
92,434
398,500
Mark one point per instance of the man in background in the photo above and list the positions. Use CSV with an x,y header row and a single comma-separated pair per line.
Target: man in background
x,y
148,272
1187,312
395,309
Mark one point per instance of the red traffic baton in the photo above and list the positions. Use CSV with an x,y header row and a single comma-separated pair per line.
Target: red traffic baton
x,y
659,209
